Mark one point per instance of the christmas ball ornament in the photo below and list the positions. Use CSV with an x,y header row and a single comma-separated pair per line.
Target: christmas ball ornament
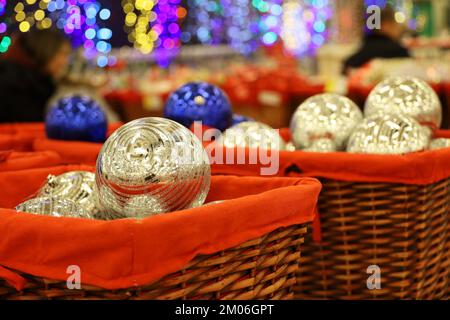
x,y
78,186
252,135
54,206
324,116
199,101
322,146
139,206
388,134
76,118
440,143
237,118
151,166
407,95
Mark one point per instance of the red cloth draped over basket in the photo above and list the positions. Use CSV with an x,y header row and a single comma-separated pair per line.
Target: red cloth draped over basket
x,y
21,136
414,168
442,134
18,141
71,152
11,160
128,252
39,128
388,210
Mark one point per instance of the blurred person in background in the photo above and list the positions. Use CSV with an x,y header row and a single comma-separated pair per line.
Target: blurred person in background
x,y
382,43
29,73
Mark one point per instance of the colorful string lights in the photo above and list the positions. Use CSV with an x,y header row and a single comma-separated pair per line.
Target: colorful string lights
x,y
304,26
158,26
5,41
168,28
154,27
295,35
80,20
204,23
271,22
139,16
241,20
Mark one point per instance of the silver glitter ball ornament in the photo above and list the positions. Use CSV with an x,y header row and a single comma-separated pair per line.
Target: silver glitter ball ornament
x,y
150,166
251,134
407,95
329,116
388,134
323,145
440,143
78,186
54,206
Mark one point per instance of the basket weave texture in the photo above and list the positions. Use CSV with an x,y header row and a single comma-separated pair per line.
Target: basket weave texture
x,y
263,268
402,229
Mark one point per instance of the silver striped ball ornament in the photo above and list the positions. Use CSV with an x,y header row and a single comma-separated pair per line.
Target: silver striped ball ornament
x,y
151,166
54,206
78,186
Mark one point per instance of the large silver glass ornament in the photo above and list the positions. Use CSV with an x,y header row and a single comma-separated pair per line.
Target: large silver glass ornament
x,y
440,143
252,134
151,166
407,95
324,116
389,134
322,146
139,206
56,207
78,186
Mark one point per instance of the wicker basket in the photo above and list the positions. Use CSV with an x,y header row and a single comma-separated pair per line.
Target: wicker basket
x,y
373,214
263,268
401,228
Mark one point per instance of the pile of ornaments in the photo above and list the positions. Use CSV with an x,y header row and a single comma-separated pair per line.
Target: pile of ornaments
x,y
207,104
148,166
399,117
156,165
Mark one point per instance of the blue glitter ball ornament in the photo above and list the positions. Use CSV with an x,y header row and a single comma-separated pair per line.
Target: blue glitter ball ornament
x,y
199,101
237,118
76,118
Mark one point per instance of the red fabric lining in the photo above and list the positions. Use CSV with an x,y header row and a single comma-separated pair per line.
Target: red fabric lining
x,y
414,168
21,137
18,186
19,142
38,128
28,160
128,252
71,152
